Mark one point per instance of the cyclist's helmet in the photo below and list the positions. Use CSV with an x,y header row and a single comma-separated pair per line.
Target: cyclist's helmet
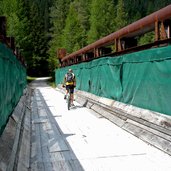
x,y
70,70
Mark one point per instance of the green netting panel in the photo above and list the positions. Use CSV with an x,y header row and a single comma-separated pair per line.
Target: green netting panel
x,y
142,79
12,83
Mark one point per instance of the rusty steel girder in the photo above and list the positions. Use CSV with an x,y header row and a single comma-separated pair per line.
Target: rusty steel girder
x,y
144,25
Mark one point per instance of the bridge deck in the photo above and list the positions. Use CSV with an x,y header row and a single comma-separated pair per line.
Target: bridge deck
x,y
80,139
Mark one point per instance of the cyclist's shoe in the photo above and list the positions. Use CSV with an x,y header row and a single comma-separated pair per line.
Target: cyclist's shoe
x,y
65,97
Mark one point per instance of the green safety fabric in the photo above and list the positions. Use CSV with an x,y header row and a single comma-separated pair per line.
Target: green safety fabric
x,y
12,83
141,79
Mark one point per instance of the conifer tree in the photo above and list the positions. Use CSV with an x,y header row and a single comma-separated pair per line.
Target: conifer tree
x,y
122,16
102,19
74,34
39,39
1,11
8,8
58,13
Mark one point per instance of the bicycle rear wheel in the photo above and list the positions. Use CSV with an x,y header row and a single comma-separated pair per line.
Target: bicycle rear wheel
x,y
69,102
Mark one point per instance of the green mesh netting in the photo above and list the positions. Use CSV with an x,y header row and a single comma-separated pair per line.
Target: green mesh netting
x,y
12,83
142,79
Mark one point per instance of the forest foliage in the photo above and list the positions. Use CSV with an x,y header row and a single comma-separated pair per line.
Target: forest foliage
x,y
41,27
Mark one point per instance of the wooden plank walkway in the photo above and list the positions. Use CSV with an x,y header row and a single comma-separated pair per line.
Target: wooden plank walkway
x,y
80,139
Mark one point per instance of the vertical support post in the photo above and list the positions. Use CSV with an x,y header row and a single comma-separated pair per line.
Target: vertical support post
x,y
156,30
100,52
119,45
83,57
60,53
169,31
116,45
162,31
97,52
94,52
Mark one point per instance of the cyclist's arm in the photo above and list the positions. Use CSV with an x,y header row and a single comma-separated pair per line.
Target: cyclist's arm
x,y
74,81
64,81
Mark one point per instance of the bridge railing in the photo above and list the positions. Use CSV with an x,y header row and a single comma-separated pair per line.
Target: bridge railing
x,y
125,39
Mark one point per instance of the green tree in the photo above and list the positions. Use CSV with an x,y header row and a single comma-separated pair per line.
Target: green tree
x,y
1,11
39,40
122,16
154,5
74,33
58,14
102,19
135,9
8,8
23,31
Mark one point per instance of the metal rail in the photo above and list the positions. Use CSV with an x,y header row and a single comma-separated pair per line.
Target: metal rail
x,y
125,38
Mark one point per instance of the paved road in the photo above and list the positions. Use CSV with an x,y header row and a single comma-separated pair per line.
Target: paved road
x,y
80,139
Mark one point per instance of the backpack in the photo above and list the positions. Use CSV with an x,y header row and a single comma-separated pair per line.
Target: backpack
x,y
69,77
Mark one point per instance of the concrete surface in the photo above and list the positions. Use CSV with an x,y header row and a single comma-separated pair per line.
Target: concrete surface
x,y
51,138
81,139
152,127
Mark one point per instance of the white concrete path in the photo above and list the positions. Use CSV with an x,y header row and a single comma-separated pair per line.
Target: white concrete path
x,y
80,139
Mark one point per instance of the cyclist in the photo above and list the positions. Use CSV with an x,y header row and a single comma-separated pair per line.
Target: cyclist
x,y
70,82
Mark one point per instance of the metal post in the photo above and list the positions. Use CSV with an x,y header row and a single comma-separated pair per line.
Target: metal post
x,y
156,31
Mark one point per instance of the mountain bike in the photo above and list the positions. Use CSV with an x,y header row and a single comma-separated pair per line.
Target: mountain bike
x,y
68,98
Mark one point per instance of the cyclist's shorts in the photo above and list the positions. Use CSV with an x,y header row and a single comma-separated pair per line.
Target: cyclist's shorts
x,y
71,87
